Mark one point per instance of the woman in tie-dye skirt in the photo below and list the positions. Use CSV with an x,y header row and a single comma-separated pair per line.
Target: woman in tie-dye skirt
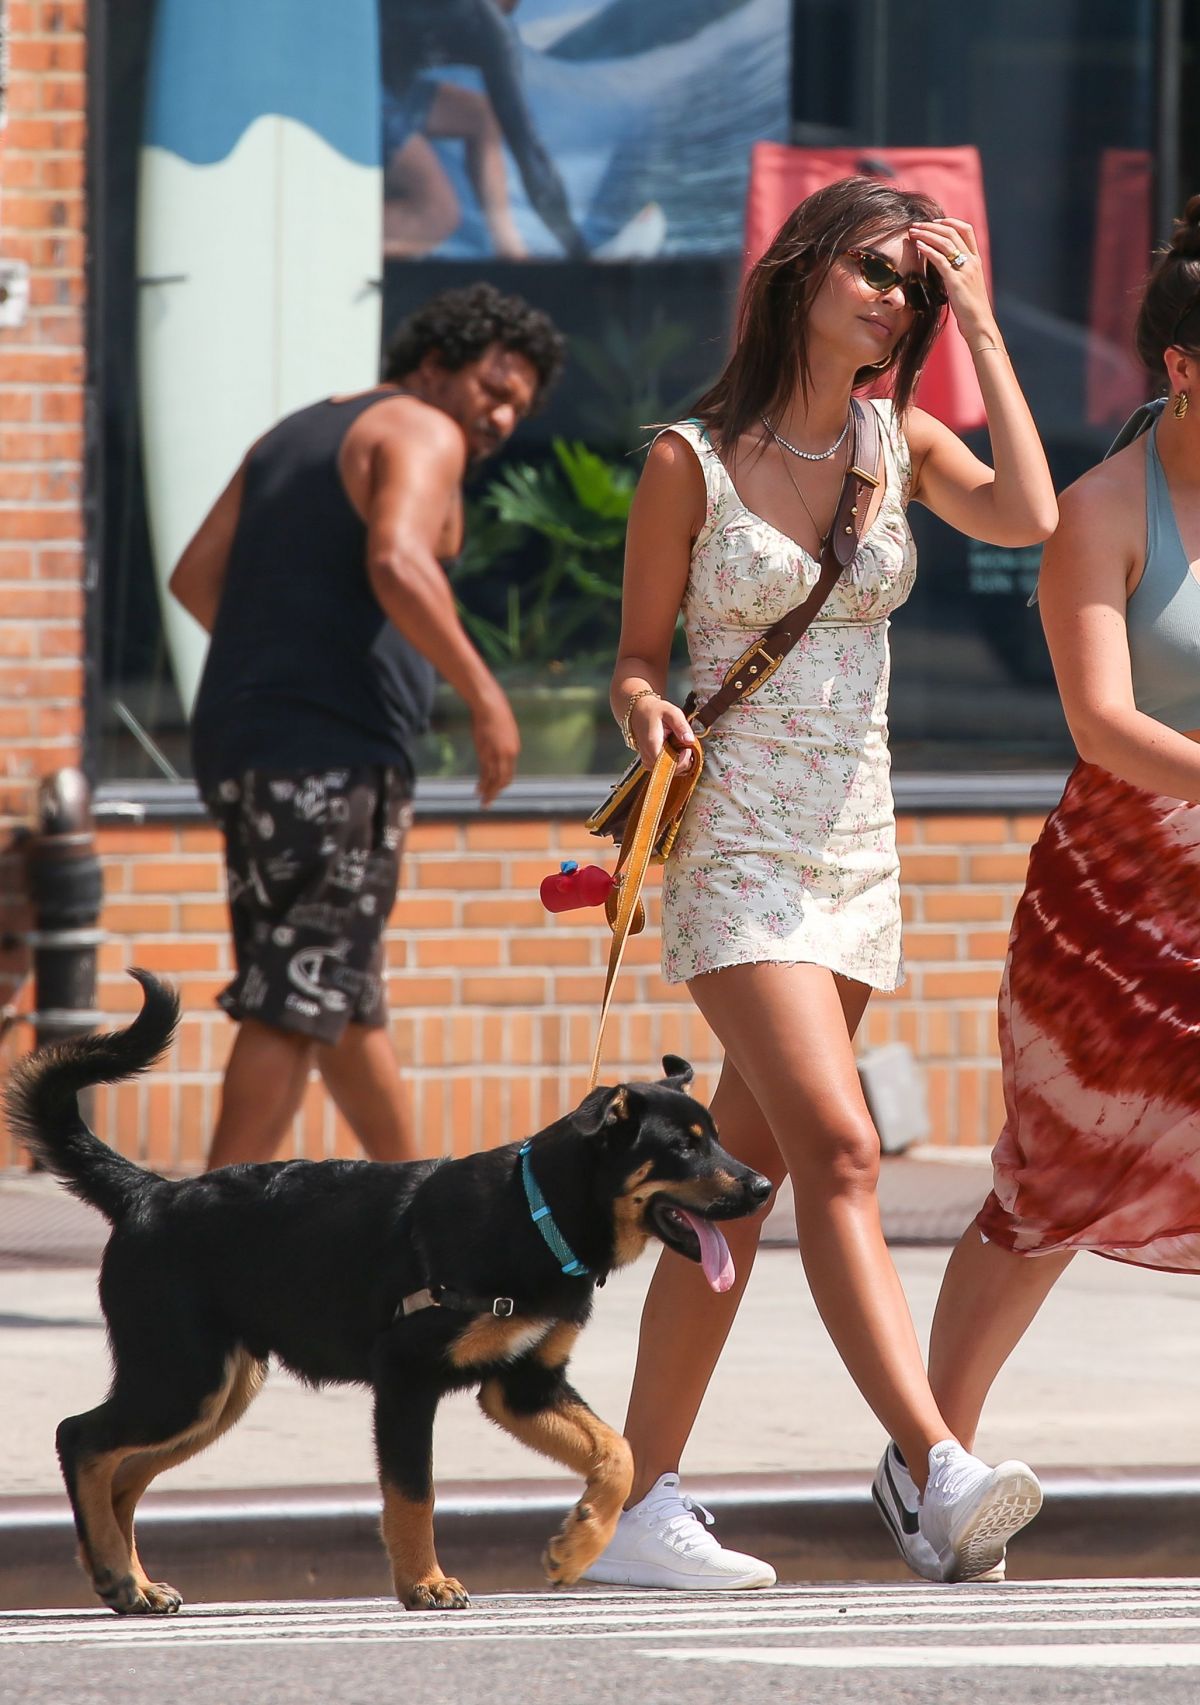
x,y
1100,1003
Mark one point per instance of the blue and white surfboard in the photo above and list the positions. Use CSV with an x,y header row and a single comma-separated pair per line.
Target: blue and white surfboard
x,y
258,245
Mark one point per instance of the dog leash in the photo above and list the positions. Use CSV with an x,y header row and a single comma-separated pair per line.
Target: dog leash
x,y
623,908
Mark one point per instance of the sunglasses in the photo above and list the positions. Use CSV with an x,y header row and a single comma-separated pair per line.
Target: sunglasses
x,y
921,291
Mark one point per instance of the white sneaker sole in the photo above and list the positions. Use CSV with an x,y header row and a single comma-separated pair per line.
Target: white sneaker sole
x,y
1007,1504
611,1573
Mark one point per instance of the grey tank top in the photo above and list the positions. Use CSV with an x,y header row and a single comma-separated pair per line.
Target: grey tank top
x,y
1163,615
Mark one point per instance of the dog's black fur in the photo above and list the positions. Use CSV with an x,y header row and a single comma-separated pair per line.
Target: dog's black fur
x,y
204,1279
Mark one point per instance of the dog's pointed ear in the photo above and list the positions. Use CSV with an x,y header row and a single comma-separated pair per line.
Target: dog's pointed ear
x,y
603,1110
677,1073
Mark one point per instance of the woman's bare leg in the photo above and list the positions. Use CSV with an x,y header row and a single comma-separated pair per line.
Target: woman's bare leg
x,y
788,1030
465,113
988,1299
420,208
684,1324
792,1089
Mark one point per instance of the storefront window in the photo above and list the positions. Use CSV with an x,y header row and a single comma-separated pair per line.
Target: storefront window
x,y
272,199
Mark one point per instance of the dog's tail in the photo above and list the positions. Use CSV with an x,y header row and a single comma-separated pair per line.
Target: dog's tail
x,y
41,1100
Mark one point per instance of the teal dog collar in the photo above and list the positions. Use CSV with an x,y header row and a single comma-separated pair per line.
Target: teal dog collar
x,y
543,1219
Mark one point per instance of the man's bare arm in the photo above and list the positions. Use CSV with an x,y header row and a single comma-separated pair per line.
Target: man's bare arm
x,y
416,472
198,577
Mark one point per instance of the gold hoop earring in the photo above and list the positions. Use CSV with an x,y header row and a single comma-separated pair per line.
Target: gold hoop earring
x,y
1181,404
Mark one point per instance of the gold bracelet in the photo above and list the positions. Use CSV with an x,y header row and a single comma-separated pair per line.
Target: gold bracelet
x,y
984,347
626,730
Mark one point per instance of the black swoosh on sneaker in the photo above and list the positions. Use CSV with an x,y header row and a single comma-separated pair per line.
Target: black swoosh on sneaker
x,y
908,1518
889,1519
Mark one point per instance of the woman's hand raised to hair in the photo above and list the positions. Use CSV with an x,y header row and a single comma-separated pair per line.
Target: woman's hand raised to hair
x,y
939,241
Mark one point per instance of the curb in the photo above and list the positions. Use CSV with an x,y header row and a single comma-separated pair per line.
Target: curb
x,y
323,1542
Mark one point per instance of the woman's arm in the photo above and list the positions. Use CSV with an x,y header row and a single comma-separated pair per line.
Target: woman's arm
x,y
666,515
1012,503
1082,598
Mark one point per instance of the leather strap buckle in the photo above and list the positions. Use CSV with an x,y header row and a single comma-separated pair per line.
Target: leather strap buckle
x,y
503,1307
861,474
745,674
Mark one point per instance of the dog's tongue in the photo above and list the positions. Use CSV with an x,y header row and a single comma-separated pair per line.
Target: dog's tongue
x,y
715,1258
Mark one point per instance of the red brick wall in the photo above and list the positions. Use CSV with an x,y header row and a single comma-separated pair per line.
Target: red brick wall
x,y
42,366
494,1002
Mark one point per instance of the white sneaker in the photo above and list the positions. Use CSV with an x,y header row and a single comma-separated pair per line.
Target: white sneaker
x,y
898,1502
662,1543
969,1511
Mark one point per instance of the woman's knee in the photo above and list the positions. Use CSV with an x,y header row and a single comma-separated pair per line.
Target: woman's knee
x,y
838,1160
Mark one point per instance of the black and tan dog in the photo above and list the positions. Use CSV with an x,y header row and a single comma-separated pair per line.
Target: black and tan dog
x,y
415,1280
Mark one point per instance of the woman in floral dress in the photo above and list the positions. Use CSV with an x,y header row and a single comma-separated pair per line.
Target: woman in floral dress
x,y
781,905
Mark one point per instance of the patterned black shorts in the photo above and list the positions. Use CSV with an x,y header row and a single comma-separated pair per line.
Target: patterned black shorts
x,y
312,864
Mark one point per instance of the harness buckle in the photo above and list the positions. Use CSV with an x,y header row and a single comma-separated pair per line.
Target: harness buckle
x,y
416,1301
503,1307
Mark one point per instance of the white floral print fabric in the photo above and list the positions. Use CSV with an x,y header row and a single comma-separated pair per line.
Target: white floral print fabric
x,y
788,849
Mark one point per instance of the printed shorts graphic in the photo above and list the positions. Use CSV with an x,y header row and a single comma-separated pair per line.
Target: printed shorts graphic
x,y
312,865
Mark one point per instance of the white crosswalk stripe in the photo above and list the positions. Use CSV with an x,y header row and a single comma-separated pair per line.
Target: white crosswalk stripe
x,y
1137,1624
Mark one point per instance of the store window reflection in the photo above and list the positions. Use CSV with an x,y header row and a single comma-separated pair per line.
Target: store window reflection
x,y
612,162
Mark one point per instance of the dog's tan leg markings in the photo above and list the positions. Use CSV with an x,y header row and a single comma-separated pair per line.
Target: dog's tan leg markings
x,y
407,1528
106,1485
569,1433
102,1548
487,1340
245,1381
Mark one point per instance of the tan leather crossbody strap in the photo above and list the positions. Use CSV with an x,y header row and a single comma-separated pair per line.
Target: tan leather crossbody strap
x,y
629,891
760,660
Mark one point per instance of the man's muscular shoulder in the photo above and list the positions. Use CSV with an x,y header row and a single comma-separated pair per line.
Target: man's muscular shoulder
x,y
408,421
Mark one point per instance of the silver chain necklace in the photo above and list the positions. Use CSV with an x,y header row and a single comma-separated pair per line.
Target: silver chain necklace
x,y
808,455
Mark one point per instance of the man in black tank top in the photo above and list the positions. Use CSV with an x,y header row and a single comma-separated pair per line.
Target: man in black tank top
x,y
318,573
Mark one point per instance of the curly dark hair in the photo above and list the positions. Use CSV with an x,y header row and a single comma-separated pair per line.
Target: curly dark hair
x,y
461,324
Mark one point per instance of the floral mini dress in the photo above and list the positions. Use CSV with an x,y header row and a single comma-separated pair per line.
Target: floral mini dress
x,y
787,853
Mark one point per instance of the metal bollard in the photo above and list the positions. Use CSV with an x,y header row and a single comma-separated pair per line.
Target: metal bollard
x,y
67,890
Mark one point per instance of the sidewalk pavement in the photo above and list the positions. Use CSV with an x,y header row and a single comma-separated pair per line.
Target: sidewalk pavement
x,y
1106,1382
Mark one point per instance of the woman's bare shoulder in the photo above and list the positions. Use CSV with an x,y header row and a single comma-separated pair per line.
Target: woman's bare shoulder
x,y
1110,494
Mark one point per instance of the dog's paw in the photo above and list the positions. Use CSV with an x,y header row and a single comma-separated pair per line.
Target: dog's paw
x,y
444,1593
577,1543
161,1598
129,1596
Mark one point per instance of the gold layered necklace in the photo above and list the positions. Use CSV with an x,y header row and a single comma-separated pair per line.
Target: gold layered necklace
x,y
822,537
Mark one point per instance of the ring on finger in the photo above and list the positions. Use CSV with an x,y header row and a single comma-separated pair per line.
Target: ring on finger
x,y
957,260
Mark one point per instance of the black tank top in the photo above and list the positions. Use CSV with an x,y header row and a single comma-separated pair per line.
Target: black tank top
x,y
304,670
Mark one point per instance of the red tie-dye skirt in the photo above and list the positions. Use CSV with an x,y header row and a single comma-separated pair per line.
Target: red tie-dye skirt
x,y
1100,1034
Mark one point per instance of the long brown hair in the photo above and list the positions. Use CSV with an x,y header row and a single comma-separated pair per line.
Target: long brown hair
x,y
1169,316
772,347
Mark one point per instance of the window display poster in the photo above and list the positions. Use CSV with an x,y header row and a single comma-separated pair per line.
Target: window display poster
x,y
607,130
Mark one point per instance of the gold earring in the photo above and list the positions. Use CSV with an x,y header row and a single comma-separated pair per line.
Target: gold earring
x,y
1180,406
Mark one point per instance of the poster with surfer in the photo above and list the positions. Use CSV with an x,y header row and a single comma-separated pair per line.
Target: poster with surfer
x,y
563,129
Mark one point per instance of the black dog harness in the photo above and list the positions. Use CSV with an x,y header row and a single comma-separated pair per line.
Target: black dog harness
x,y
441,1296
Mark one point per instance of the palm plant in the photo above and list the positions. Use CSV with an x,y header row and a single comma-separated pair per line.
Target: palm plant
x,y
559,604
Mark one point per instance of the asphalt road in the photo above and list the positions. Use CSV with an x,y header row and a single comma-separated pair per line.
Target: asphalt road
x,y
1116,1643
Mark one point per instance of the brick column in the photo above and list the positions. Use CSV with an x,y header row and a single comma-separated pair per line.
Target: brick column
x,y
42,382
